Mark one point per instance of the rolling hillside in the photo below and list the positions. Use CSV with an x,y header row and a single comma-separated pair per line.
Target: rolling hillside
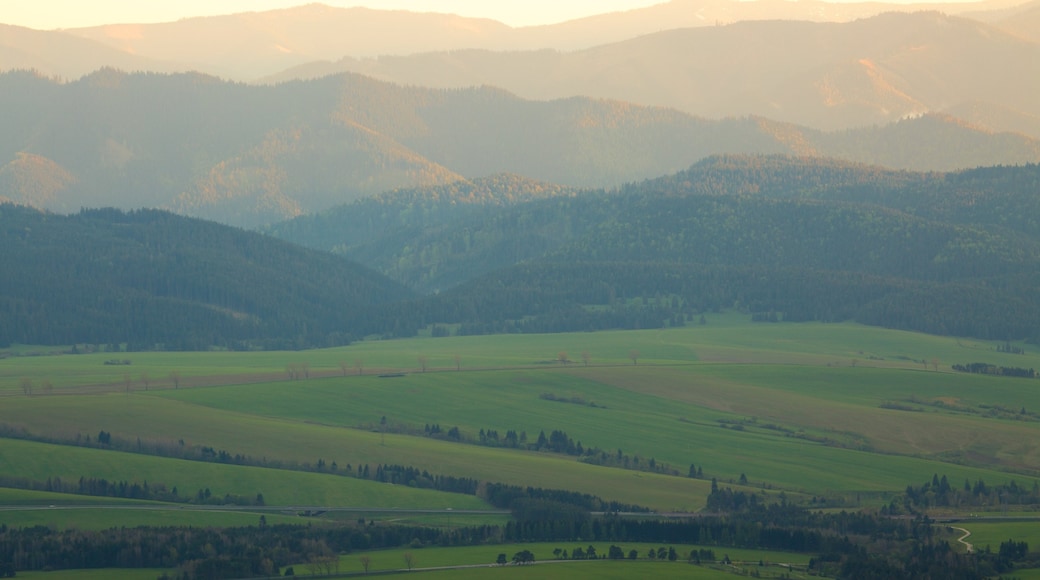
x,y
804,239
249,155
152,279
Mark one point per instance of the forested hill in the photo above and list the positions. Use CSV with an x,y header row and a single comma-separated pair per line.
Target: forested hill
x,y
801,239
154,279
252,155
382,222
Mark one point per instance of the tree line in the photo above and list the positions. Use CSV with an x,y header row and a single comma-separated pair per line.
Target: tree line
x,y
990,369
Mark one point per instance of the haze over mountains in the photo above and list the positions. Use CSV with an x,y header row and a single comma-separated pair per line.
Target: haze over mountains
x,y
823,65
249,155
472,158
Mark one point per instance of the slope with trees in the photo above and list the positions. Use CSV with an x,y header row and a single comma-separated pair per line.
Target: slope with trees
x,y
250,155
807,239
151,279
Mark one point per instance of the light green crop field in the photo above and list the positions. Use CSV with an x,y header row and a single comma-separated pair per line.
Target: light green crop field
x,y
39,461
605,569
103,519
992,533
382,560
839,410
99,574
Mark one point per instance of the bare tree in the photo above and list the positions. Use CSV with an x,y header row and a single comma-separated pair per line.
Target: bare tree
x,y
27,386
359,365
585,357
634,355
424,362
343,367
458,362
306,366
409,560
175,376
145,379
561,357
127,382
365,562
47,386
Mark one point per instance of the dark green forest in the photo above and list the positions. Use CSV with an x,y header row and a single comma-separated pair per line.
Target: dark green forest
x,y
152,279
783,238
780,238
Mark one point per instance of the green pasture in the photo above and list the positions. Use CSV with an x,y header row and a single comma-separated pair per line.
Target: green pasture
x,y
620,570
951,421
20,497
39,461
99,574
668,413
644,416
272,439
991,533
727,337
103,519
797,407
432,557
484,556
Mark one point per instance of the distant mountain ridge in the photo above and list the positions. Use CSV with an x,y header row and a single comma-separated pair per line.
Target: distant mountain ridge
x,y
818,64
823,75
248,45
250,155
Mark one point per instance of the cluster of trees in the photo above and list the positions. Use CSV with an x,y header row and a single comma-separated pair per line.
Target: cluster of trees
x,y
1010,348
596,456
414,477
615,552
941,492
988,369
199,552
154,491
506,496
853,545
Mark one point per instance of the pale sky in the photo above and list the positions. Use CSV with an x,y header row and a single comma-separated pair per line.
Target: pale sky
x,y
51,14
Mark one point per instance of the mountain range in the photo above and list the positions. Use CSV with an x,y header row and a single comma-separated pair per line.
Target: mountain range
x,y
624,171
777,237
818,64
249,155
823,75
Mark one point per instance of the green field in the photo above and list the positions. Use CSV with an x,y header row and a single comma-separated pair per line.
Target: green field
x,y
436,557
992,533
102,574
843,411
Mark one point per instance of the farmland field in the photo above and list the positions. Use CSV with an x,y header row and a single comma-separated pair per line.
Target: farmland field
x,y
842,414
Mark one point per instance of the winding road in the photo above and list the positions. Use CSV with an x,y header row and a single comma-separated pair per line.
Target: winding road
x,y
961,539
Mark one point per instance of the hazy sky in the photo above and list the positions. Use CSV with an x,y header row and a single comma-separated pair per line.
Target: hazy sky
x,y
50,14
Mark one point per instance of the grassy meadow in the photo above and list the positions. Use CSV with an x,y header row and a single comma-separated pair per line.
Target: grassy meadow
x,y
844,411
481,558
